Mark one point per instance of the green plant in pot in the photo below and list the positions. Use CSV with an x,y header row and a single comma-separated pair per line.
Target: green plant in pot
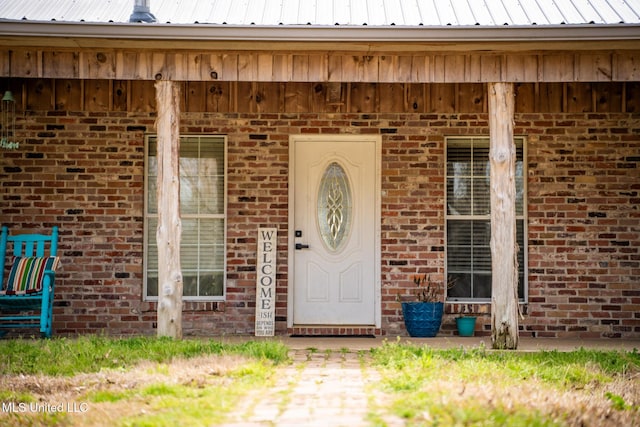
x,y
423,317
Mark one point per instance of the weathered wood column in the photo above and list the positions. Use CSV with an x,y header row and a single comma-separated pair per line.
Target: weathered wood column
x,y
504,261
169,230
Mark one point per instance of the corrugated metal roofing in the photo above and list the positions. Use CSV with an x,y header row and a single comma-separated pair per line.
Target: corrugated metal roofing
x,y
335,12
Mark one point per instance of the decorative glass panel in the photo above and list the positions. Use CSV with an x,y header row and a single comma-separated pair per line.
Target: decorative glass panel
x,y
334,206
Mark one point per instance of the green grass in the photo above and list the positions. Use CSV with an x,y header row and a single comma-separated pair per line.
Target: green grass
x,y
10,396
570,369
204,400
110,396
427,385
67,357
424,409
420,385
180,405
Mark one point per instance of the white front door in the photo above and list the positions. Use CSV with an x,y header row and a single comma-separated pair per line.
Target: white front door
x,y
334,230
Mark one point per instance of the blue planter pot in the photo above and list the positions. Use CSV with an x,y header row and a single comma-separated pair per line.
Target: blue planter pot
x,y
466,326
422,319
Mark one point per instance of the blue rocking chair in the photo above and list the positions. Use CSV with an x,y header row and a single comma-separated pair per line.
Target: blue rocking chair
x,y
26,295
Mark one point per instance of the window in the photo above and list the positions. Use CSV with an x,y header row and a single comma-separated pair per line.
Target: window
x,y
202,209
468,216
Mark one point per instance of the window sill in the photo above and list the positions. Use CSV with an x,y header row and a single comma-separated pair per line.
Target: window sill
x,y
474,307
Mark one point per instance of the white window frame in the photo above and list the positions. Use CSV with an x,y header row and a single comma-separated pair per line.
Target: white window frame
x,y
523,299
147,215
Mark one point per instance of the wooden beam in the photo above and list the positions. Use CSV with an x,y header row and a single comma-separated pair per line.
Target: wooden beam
x,y
504,261
417,66
169,230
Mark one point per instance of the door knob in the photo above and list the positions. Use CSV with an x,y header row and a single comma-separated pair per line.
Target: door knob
x,y
301,246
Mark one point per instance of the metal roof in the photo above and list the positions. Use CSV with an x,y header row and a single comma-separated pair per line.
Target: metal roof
x,y
401,13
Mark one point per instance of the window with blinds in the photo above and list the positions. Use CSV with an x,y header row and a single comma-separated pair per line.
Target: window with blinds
x,y
468,219
202,211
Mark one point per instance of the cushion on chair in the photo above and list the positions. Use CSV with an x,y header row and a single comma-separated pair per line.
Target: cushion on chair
x,y
27,274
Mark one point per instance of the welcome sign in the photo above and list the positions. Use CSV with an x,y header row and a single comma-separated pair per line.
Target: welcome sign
x,y
266,282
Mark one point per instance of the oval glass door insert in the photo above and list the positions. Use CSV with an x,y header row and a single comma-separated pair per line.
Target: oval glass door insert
x,y
334,206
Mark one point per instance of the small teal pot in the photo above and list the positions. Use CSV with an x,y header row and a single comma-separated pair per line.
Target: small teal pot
x,y
466,326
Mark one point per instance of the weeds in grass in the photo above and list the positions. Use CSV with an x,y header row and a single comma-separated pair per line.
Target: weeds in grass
x,y
16,397
251,372
171,405
466,386
66,356
570,369
110,396
184,400
421,385
428,409
618,403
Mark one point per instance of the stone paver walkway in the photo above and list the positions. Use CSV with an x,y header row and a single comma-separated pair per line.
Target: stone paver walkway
x,y
319,389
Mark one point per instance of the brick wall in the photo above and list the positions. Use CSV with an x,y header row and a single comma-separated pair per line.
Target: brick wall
x,y
84,172
584,225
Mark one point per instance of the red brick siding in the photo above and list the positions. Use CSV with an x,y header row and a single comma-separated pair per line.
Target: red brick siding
x,y
84,172
584,225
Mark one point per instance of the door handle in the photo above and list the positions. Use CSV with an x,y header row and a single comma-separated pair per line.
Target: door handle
x,y
301,246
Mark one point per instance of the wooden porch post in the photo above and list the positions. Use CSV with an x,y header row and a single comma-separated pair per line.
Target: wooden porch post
x,y
504,261
169,230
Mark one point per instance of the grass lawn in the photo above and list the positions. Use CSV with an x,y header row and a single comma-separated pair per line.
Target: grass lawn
x,y
480,387
92,381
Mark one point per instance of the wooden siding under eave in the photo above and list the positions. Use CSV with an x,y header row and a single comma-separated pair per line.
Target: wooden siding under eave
x,y
295,97
276,66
